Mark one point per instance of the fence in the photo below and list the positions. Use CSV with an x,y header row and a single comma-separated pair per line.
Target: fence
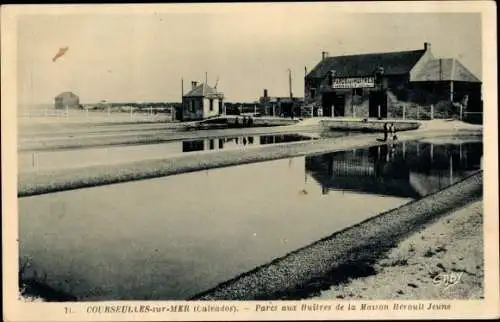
x,y
444,110
107,114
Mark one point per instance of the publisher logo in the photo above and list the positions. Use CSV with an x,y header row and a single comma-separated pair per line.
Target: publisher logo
x,y
447,279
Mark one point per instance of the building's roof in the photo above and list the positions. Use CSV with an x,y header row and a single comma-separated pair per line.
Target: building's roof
x,y
447,69
202,90
394,63
66,94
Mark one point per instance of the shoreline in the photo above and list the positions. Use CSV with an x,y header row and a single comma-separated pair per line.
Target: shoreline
x,y
328,268
69,179
347,254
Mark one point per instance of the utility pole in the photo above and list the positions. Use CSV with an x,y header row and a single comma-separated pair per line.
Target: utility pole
x,y
173,110
290,82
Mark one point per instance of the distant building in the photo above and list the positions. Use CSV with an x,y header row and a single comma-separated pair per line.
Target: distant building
x,y
375,85
201,102
280,106
67,100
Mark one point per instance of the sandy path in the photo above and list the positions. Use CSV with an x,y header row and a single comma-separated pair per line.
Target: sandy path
x,y
422,266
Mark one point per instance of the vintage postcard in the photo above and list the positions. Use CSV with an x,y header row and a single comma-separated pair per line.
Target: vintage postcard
x,y
250,161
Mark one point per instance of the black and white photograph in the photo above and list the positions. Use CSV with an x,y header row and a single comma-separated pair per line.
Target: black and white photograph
x,y
231,160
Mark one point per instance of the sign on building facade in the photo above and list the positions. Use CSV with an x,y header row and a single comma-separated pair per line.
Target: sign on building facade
x,y
354,82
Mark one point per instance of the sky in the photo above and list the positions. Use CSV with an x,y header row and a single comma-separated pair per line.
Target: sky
x,y
142,56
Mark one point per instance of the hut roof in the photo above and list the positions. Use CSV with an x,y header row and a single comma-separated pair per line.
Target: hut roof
x,y
202,90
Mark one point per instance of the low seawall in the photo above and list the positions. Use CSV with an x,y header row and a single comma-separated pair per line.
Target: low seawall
x,y
368,126
347,253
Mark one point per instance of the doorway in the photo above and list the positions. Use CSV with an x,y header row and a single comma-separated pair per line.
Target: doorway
x,y
339,105
378,98
333,104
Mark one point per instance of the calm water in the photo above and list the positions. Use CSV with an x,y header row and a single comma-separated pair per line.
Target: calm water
x,y
45,160
173,237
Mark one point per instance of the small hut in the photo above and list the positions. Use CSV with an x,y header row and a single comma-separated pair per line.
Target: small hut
x,y
67,100
201,102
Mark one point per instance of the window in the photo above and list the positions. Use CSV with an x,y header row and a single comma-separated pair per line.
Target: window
x,y
312,92
193,107
211,105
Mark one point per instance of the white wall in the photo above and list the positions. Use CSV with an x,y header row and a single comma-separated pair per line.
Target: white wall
x,y
206,108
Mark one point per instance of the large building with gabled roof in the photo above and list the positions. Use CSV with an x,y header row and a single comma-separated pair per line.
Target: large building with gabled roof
x,y
201,102
373,85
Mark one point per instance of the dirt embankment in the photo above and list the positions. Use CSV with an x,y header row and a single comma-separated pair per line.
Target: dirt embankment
x,y
351,253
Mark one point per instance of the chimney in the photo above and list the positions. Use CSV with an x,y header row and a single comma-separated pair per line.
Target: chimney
x,y
193,84
427,46
265,93
324,55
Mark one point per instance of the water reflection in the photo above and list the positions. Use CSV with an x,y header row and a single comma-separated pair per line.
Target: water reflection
x,y
45,160
240,142
170,238
406,169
